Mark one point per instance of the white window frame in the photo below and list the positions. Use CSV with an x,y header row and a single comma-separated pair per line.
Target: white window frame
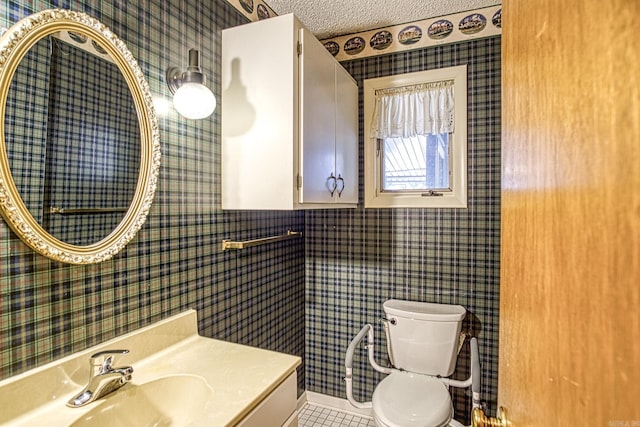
x,y
457,197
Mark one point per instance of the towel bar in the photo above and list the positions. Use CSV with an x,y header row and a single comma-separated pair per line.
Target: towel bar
x,y
57,210
228,244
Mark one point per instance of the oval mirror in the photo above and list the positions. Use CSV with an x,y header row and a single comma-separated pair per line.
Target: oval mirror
x,y
79,140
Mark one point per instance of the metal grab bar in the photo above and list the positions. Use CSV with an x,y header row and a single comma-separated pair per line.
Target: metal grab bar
x,y
475,374
367,330
228,244
62,211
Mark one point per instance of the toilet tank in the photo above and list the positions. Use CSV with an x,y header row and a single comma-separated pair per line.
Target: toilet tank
x,y
423,337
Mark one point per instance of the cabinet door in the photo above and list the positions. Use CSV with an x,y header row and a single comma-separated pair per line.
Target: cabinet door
x,y
259,111
277,408
317,121
346,136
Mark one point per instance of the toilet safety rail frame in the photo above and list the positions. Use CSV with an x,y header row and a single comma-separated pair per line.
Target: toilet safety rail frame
x,y
367,330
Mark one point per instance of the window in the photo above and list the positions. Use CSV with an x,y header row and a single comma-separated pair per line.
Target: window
x,y
416,139
419,163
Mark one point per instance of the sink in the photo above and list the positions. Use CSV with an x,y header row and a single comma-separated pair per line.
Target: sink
x,y
175,383
175,400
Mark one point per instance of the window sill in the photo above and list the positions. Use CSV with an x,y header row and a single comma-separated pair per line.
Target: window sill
x,y
456,201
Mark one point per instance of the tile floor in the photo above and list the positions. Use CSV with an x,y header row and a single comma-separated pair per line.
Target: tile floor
x,y
317,416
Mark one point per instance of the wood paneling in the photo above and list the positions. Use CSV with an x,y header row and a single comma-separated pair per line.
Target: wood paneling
x,y
570,274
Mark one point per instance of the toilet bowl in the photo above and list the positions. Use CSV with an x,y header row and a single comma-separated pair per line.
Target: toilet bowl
x,y
408,399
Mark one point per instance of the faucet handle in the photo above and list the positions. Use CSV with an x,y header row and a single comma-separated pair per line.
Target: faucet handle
x,y
104,359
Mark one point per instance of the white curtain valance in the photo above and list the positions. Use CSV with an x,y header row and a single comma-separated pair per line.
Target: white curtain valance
x,y
414,110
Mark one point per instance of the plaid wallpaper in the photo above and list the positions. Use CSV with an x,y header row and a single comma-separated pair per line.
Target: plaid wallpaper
x,y
353,260
93,144
25,121
254,296
357,259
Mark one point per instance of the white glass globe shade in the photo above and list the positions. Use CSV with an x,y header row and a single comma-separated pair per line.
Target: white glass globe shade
x,y
194,101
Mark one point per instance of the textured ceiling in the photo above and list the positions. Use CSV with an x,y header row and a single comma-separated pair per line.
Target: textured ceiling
x,y
330,18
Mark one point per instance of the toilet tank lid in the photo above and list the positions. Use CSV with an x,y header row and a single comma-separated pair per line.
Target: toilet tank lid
x,y
424,310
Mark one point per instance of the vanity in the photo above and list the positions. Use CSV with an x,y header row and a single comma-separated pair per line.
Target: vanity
x,y
179,378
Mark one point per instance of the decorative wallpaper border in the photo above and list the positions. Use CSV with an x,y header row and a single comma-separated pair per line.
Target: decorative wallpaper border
x,y
474,24
255,11
83,42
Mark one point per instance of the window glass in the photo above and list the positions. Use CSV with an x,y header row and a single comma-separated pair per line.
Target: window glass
x,y
419,163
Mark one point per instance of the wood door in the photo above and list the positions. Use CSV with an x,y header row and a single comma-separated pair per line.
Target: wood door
x,y
570,268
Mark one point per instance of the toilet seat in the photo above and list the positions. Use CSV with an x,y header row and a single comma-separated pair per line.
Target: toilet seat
x,y
408,399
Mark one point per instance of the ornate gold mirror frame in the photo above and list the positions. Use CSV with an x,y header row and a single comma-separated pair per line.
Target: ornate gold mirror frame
x,y
14,44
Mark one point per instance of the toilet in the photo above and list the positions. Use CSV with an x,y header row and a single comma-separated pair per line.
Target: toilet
x,y
422,341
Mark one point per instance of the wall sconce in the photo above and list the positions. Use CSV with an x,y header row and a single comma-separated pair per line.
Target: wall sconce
x,y
191,97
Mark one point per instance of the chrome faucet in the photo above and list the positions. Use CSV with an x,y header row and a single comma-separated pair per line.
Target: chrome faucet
x,y
104,378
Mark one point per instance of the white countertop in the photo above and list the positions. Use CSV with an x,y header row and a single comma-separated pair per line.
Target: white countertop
x,y
239,377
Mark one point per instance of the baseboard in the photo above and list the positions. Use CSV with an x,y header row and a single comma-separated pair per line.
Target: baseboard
x,y
302,400
331,402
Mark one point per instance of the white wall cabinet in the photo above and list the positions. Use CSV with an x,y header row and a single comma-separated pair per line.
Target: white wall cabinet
x,y
289,120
